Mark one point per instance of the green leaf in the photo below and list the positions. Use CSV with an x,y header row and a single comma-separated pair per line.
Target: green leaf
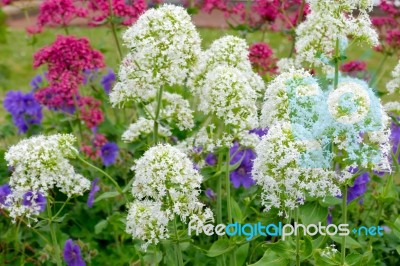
x,y
100,226
353,259
395,226
313,213
398,249
236,211
241,254
306,248
285,248
350,242
221,246
330,201
106,195
389,192
270,258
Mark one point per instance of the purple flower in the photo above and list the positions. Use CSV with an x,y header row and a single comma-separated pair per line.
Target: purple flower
x,y
359,187
211,159
5,190
108,80
36,82
95,188
72,254
242,175
37,198
24,109
330,217
395,136
259,131
210,194
109,153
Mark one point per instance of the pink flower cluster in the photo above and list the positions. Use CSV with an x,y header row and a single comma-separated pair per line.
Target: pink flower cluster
x,y
5,2
57,13
128,13
353,66
273,14
66,60
388,27
262,59
62,12
93,150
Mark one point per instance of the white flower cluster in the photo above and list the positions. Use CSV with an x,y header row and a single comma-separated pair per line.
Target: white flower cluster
x,y
290,85
329,21
143,127
284,181
175,110
166,185
163,45
228,51
228,95
227,89
360,126
41,163
393,86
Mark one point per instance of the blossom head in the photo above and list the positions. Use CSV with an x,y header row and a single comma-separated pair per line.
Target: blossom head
x,y
165,185
24,109
164,45
5,190
359,187
278,169
72,254
93,190
261,57
109,153
41,163
242,175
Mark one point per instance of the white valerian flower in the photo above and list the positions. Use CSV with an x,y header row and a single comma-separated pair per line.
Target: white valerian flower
x,y
143,127
41,163
331,21
229,51
393,86
287,97
393,107
229,96
147,221
163,47
359,127
166,177
280,168
175,110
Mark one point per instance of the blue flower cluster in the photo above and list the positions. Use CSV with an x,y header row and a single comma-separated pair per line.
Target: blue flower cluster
x,y
24,108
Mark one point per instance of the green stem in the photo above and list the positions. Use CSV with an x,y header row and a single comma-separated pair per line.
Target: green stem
x,y
57,252
219,191
374,79
104,173
155,132
228,197
228,186
344,210
297,240
114,31
62,207
336,81
178,250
